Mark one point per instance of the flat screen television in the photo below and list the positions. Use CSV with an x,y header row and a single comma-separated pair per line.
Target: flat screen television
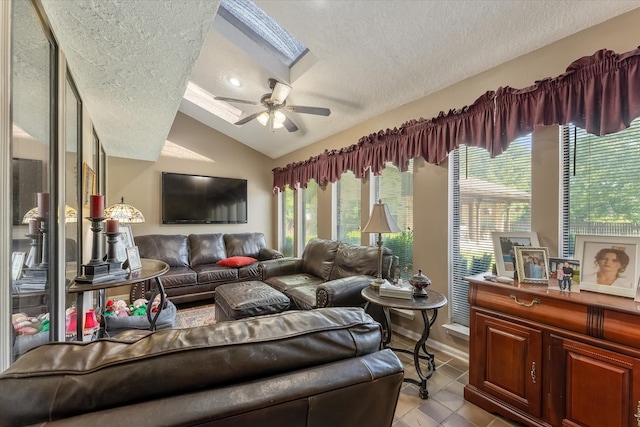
x,y
197,199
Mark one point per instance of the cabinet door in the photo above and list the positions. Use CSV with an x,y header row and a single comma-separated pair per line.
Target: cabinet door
x,y
508,363
600,388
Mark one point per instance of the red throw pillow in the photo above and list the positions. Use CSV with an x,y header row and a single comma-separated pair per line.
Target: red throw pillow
x,y
236,261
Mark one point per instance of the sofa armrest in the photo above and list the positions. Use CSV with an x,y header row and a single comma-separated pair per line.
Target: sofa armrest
x,y
268,253
280,267
344,292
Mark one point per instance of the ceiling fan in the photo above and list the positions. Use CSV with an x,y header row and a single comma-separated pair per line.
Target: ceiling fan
x,y
275,104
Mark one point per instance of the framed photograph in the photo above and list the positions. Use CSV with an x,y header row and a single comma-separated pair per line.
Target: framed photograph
x,y
125,241
532,264
504,244
609,264
564,274
17,264
133,256
88,182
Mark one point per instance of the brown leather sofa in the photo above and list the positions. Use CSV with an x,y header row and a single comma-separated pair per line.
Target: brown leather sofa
x,y
329,273
297,368
193,273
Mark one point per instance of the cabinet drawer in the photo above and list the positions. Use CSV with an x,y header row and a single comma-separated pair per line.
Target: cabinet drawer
x,y
532,306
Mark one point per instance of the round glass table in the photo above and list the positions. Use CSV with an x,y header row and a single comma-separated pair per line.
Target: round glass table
x,y
151,269
432,303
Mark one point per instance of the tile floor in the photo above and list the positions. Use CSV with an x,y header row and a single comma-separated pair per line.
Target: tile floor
x,y
446,405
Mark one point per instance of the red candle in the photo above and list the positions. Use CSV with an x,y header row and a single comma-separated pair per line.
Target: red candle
x,y
113,226
96,209
43,204
33,227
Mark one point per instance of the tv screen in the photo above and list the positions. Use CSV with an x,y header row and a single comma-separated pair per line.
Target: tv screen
x,y
197,199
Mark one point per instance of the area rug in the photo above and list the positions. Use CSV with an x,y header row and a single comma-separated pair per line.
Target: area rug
x,y
196,316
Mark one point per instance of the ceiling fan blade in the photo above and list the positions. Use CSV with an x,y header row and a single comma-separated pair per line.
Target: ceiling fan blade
x,y
249,118
308,110
241,101
291,127
280,93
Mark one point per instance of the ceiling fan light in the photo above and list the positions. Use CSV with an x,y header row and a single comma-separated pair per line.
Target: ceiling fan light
x,y
278,125
279,118
263,118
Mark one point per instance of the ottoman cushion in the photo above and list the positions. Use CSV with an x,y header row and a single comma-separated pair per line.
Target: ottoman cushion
x,y
248,299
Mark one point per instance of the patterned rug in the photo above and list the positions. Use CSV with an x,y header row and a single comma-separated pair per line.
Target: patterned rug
x,y
196,316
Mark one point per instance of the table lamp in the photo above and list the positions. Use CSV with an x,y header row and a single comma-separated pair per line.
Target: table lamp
x,y
380,222
124,213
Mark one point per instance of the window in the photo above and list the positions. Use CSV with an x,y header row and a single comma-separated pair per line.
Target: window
x,y
395,188
601,184
310,212
486,195
286,222
348,208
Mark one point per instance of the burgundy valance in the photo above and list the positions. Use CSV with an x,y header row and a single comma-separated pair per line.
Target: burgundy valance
x,y
600,93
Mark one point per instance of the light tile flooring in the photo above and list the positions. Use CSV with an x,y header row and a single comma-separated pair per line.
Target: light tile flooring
x,y
446,405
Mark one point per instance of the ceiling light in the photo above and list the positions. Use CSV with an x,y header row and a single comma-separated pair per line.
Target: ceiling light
x,y
279,117
235,82
263,118
203,99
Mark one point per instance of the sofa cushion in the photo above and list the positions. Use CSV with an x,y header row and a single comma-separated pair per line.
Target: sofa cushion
x,y
318,256
352,260
172,249
284,283
249,272
207,248
213,273
82,377
179,276
237,261
244,244
303,297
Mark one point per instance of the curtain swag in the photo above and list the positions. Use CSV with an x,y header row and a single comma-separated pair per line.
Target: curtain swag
x,y
600,93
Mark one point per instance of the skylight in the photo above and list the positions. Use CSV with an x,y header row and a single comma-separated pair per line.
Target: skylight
x,y
255,24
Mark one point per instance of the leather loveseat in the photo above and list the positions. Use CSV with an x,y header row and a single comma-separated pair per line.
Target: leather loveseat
x,y
329,273
296,368
194,272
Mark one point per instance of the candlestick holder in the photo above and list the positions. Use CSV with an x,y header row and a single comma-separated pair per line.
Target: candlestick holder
x,y
38,260
115,265
96,271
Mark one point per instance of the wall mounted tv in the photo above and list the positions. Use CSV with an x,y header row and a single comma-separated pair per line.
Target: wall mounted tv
x,y
197,199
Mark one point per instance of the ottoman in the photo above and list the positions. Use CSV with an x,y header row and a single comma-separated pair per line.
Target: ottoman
x,y
247,299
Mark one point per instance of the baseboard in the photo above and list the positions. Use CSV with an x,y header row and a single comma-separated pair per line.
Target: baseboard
x,y
437,345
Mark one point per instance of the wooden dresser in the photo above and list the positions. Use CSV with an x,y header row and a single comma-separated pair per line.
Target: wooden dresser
x,y
543,357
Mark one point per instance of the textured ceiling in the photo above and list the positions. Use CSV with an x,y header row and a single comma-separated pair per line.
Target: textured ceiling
x,y
132,59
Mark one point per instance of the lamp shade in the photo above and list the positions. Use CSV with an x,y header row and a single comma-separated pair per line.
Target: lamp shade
x,y
70,215
380,220
124,213
90,321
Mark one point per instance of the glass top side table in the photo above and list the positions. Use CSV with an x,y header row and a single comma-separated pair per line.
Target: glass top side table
x,y
433,302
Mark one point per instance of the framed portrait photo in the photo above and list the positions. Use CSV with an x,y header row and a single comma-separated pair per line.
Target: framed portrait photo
x,y
609,264
504,244
125,240
532,264
564,274
133,256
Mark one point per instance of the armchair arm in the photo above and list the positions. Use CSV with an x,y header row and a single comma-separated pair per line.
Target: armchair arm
x,y
280,267
343,292
268,253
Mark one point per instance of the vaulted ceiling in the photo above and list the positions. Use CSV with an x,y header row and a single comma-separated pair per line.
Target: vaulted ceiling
x,y
132,60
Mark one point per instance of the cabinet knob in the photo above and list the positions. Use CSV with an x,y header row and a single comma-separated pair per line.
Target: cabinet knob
x,y
532,303
637,414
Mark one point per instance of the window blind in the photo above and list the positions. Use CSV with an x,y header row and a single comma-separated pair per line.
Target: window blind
x,y
310,212
486,195
601,184
348,208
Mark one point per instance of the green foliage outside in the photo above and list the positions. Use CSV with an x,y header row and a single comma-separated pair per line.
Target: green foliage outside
x,y
401,244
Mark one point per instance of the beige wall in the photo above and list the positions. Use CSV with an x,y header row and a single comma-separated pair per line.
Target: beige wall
x,y
139,182
431,183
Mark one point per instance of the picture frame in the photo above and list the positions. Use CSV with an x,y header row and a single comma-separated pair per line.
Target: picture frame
x,y
17,264
133,257
532,264
610,264
125,240
556,274
88,182
503,245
